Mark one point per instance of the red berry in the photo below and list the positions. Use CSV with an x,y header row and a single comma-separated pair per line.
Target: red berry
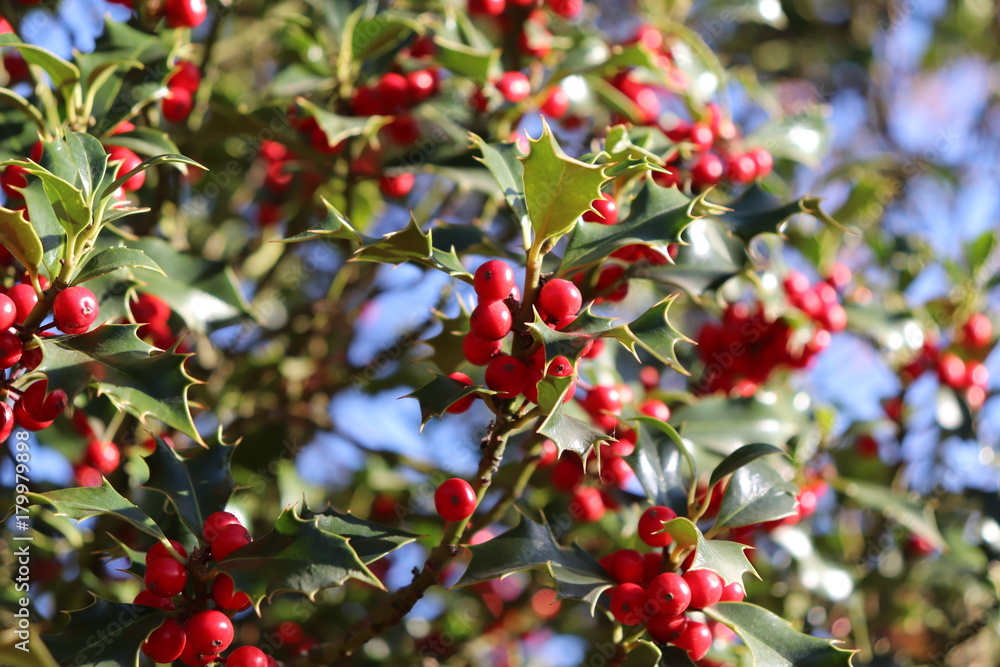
x,y
487,7
158,551
185,75
478,351
395,186
8,311
229,539
586,504
494,281
455,500
165,577
556,104
422,84
176,105
741,169
567,473
508,376
706,171
166,643
129,161
13,177
147,598
976,374
977,331
565,8
696,639
194,659
733,593
951,370
6,421
215,522
291,633
26,421
225,595
604,399
185,13
627,566
666,627
669,594
11,349
656,409
840,276
209,632
606,211
651,523
149,308
706,588
103,455
627,603
514,86
701,136
24,298
763,160
42,405
75,309
560,298
247,656
491,321
560,367
462,404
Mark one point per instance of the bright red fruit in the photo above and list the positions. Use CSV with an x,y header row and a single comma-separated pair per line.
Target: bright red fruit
x,y
666,627
560,367
514,86
556,104
951,370
508,376
26,421
185,75
494,280
478,351
560,298
147,598
395,186
209,632
567,473
977,331
185,13
6,421
177,105
229,539
41,404
587,504
763,160
733,593
8,311
656,409
103,455
129,161
247,656
706,171
669,594
606,211
225,595
215,522
741,169
487,7
75,309
166,643
462,404
627,603
696,639
627,566
566,8
706,588
491,321
24,298
11,349
455,500
165,577
158,551
651,523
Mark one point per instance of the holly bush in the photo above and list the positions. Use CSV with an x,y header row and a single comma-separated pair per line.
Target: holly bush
x,y
671,392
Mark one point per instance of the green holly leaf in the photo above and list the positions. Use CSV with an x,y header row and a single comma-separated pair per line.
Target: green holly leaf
x,y
85,502
446,347
91,162
138,380
334,225
727,559
917,518
105,634
723,425
741,457
627,158
298,556
144,141
68,201
63,73
377,35
477,64
112,259
149,162
337,128
197,484
439,394
570,433
708,262
504,162
371,541
571,341
412,245
529,546
111,290
756,493
656,461
558,189
46,225
772,640
657,217
757,211
203,292
653,332
20,238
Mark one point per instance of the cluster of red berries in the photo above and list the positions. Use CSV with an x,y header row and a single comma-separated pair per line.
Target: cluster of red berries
x,y
645,594
182,85
201,634
960,367
820,302
178,13
153,313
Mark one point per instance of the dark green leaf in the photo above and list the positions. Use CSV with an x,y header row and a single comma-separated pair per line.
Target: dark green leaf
x,y
772,640
334,225
91,162
21,239
723,425
740,458
61,72
570,433
143,383
112,259
337,128
46,224
380,34
197,484
571,341
446,347
371,541
476,64
653,332
105,634
727,559
504,162
756,493
412,244
85,502
298,556
558,189
439,394
917,518
657,218
656,461
711,259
